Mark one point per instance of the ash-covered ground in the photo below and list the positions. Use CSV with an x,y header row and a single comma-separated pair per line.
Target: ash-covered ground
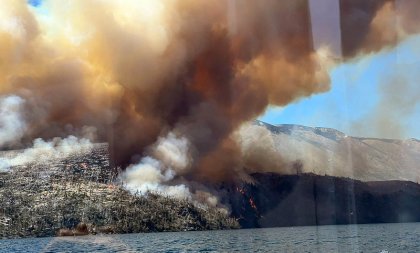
x,y
44,196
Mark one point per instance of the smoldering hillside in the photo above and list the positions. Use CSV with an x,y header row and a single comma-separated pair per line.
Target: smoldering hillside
x,y
168,83
60,184
45,193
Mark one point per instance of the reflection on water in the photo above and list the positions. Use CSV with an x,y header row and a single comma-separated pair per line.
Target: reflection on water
x,y
347,238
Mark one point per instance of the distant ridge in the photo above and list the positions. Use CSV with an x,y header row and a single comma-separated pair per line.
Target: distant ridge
x,y
289,128
326,151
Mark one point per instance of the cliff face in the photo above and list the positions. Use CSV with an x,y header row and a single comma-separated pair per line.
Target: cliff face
x,y
274,200
40,198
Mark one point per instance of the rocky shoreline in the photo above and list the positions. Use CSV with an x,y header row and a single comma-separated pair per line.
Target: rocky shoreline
x,y
41,198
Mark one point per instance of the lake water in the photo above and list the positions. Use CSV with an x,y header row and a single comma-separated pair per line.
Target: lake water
x,y
344,238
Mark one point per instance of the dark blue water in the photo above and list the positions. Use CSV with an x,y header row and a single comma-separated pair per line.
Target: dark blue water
x,y
347,238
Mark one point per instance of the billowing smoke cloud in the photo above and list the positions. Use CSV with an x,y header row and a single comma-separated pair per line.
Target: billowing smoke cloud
x,y
371,25
169,157
152,75
12,125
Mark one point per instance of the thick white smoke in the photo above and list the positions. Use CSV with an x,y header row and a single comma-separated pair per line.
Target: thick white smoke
x,y
169,157
162,171
46,150
12,125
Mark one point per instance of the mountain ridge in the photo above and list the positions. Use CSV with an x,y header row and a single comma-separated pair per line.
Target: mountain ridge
x,y
326,151
319,130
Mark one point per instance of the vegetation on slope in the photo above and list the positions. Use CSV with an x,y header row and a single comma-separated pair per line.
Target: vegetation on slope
x,y
40,199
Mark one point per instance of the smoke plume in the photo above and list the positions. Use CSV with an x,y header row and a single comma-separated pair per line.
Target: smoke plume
x,y
43,151
170,158
166,83
12,125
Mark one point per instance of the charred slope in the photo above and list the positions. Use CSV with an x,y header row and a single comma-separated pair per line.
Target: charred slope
x,y
308,199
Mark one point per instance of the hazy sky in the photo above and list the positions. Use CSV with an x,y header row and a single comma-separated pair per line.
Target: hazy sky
x,y
358,89
373,96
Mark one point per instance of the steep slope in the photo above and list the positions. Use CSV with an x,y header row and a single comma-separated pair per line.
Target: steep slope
x,y
326,151
302,200
41,197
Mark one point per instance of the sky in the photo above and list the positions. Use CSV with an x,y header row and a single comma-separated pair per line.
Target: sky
x,y
35,2
373,96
